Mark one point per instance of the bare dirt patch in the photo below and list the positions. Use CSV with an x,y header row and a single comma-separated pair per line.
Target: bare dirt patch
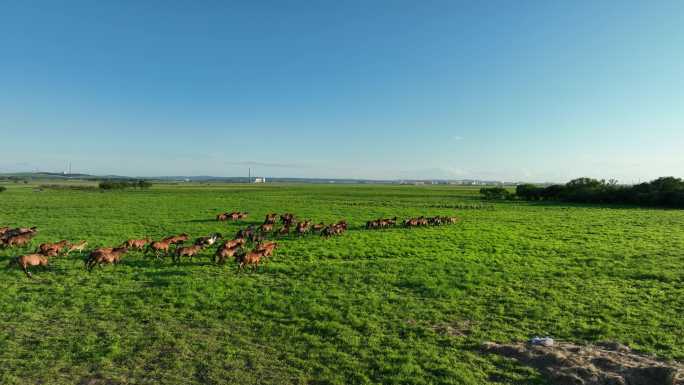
x,y
601,364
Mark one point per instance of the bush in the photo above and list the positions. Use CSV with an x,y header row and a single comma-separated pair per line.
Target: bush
x,y
123,184
2,188
529,192
492,193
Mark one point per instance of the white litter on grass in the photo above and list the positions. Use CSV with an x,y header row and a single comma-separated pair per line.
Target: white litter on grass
x,y
542,341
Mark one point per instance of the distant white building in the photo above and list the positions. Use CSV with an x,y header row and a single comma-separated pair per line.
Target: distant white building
x,y
259,180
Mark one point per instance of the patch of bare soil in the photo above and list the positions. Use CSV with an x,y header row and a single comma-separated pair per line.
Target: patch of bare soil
x,y
601,364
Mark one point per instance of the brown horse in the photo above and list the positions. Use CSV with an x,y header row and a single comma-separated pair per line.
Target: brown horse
x,y
235,242
284,231
187,251
270,218
252,258
19,231
27,260
105,257
224,253
266,248
303,227
176,239
266,228
53,249
287,219
18,240
159,247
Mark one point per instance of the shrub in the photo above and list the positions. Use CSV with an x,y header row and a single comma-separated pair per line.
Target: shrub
x,y
2,188
123,184
492,193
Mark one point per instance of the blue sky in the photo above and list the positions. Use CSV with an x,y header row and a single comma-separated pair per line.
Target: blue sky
x,y
511,90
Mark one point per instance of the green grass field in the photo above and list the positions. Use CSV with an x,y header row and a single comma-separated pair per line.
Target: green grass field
x,y
400,306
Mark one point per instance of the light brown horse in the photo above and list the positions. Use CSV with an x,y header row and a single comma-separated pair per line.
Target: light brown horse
x,y
27,260
137,244
80,246
266,228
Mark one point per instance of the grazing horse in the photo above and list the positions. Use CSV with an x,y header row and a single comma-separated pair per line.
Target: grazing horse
x,y
266,228
222,217
27,260
105,257
80,246
319,226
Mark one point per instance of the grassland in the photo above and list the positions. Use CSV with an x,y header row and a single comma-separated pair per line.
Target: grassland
x,y
391,306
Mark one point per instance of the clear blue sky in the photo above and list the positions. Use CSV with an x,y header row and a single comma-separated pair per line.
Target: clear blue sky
x,y
512,90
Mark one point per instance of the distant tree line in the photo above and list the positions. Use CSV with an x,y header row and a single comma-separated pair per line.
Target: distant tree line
x,y
665,192
14,179
123,184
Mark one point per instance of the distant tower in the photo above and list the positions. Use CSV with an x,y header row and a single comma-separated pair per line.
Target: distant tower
x,y
69,167
249,175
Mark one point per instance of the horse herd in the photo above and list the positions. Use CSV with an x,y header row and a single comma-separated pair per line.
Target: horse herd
x,y
175,245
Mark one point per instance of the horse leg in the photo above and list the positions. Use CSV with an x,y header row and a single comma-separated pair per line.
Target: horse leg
x,y
25,268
